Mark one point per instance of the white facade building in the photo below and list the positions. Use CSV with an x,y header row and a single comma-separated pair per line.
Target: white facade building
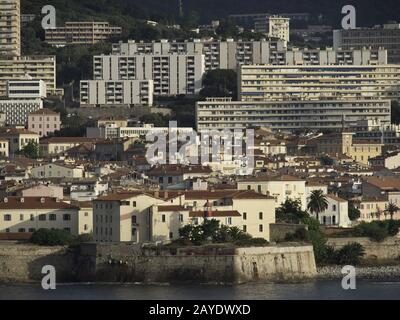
x,y
223,113
172,74
121,93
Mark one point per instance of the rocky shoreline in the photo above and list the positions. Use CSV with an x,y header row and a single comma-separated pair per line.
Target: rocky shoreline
x,y
390,272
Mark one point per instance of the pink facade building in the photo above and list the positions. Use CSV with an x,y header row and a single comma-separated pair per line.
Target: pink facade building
x,y
44,121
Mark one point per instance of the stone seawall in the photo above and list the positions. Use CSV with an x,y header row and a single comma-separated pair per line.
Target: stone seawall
x,y
24,262
387,249
134,263
131,263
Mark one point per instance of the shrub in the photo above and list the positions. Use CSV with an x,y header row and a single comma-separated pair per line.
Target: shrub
x,y
53,237
301,234
252,242
350,254
376,230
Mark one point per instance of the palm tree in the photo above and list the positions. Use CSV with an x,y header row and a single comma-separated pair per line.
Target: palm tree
x,y
377,214
317,203
392,209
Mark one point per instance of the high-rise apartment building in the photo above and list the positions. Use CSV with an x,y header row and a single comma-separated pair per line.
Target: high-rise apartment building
x,y
83,33
217,54
172,74
386,36
121,92
10,28
289,115
306,82
35,67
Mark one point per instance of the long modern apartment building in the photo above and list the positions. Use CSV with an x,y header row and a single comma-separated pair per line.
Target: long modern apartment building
x,y
10,28
328,56
306,82
217,54
83,33
98,93
387,36
172,74
290,115
36,67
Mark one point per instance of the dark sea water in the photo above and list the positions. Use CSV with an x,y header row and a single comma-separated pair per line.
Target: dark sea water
x,y
319,289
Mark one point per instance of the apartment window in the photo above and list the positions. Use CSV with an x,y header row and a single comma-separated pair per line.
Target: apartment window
x,y
163,218
229,221
66,217
261,228
160,180
52,217
169,179
86,214
85,227
334,207
21,230
244,228
8,230
248,187
21,217
42,217
260,215
7,217
134,204
180,217
134,219
32,218
68,229
259,189
171,235
31,230
244,215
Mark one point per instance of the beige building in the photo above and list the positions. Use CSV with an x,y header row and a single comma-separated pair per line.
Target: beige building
x,y
4,148
17,138
141,217
281,188
10,28
337,212
343,143
372,208
54,170
44,121
82,33
278,27
20,214
50,191
37,67
56,145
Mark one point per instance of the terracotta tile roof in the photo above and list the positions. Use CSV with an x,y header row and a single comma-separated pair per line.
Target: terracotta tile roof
x,y
283,177
119,196
336,198
171,208
177,170
67,140
4,132
210,214
386,183
44,111
33,203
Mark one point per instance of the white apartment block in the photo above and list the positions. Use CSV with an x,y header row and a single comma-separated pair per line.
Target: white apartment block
x,y
17,110
173,74
217,54
36,67
82,33
28,214
10,28
17,138
387,36
29,89
279,83
278,27
54,170
329,56
122,93
288,115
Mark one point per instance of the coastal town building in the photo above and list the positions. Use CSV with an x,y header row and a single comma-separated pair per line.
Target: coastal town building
x,y
10,28
387,36
44,122
18,138
81,33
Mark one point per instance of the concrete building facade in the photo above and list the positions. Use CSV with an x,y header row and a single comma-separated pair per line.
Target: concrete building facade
x,y
44,122
10,28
